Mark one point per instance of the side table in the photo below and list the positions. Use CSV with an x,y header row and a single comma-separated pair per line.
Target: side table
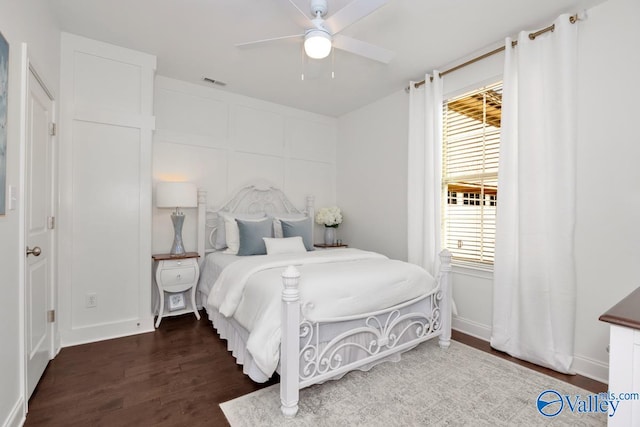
x,y
176,278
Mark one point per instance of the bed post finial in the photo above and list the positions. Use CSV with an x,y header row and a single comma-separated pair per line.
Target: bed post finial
x,y
311,201
202,216
310,210
446,301
290,345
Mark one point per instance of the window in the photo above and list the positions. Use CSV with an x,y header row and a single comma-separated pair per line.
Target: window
x,y
471,141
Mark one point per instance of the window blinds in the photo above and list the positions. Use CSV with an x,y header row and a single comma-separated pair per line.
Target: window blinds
x,y
471,142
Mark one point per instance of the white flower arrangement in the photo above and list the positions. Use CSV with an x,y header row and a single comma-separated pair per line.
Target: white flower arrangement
x,y
329,217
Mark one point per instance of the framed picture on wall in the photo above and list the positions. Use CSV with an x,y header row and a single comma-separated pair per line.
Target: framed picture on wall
x,y
4,88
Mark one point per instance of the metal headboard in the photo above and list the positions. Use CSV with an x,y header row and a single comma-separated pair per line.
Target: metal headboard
x,y
250,199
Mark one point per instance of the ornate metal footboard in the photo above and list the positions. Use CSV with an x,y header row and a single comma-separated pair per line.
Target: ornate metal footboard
x,y
307,358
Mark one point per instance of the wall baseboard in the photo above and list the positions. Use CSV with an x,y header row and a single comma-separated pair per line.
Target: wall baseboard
x,y
106,331
472,328
591,368
584,366
17,416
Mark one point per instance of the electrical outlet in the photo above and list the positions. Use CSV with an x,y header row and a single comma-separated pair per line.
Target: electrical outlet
x,y
91,300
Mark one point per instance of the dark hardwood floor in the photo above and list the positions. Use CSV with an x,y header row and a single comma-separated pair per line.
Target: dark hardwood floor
x,y
175,376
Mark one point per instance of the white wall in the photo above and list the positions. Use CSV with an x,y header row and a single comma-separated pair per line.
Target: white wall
x,y
105,190
608,194
29,21
372,178
223,141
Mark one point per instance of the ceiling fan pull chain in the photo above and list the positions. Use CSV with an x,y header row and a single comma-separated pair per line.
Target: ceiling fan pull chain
x,y
333,63
302,61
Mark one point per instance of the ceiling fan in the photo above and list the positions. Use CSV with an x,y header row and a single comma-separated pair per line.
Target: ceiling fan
x,y
321,35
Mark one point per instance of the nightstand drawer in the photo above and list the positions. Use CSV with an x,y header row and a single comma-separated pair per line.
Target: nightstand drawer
x,y
177,263
178,276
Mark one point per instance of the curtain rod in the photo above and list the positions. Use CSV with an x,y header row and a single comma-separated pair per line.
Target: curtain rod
x,y
532,36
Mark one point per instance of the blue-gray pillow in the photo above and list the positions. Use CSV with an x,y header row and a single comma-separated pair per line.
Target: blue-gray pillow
x,y
221,235
301,227
251,234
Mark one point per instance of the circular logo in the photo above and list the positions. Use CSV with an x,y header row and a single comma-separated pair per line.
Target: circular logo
x,y
550,403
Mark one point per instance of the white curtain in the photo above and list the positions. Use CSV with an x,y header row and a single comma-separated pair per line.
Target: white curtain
x,y
425,172
534,274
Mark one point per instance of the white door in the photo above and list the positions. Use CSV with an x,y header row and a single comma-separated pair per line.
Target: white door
x,y
38,228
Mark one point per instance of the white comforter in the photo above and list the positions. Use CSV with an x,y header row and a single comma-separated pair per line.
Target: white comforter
x,y
338,282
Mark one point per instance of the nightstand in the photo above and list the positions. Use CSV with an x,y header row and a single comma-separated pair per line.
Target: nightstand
x,y
177,278
325,246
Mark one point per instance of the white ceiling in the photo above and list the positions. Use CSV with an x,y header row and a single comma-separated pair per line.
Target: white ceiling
x,y
196,38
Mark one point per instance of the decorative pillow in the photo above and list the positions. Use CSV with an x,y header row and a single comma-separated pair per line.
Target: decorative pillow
x,y
277,226
226,220
288,245
221,236
251,233
302,228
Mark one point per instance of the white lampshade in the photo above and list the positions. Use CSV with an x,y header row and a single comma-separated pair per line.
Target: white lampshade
x,y
176,195
317,44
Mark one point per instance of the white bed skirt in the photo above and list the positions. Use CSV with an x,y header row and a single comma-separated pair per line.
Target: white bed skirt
x,y
236,337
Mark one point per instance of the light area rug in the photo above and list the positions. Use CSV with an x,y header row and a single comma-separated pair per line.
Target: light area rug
x,y
460,386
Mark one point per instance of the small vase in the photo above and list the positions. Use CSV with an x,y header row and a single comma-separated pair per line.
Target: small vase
x,y
329,235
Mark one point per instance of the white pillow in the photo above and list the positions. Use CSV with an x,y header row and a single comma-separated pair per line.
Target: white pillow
x,y
288,245
221,235
277,225
232,234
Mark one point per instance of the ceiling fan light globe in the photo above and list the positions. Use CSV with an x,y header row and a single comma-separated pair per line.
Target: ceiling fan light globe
x,y
317,44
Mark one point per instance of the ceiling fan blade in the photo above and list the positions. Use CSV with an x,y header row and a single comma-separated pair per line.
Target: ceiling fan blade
x,y
351,13
361,48
255,42
299,16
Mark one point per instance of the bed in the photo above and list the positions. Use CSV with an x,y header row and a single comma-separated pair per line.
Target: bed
x,y
310,315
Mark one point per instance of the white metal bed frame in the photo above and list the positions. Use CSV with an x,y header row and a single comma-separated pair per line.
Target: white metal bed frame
x,y
305,359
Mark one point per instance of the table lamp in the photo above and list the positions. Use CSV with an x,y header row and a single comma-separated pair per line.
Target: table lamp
x,y
177,195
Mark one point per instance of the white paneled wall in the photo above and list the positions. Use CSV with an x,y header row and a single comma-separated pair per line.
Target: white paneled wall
x,y
222,141
105,190
256,130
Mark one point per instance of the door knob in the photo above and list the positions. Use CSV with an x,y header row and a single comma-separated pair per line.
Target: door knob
x,y
36,251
